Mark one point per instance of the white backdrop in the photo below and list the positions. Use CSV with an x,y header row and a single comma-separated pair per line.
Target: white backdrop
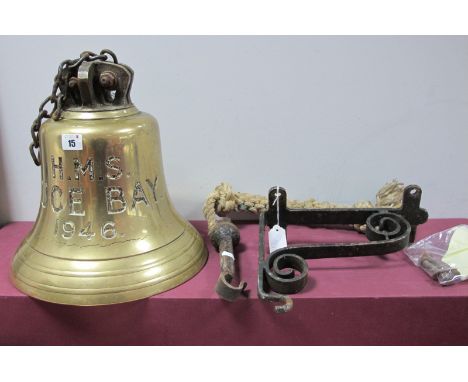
x,y
329,117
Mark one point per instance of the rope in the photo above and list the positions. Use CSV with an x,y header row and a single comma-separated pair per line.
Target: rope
x,y
223,200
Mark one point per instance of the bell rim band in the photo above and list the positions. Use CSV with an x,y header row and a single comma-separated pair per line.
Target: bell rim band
x,y
117,294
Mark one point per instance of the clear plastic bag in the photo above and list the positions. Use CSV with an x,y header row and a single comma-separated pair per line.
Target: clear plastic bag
x,y
443,255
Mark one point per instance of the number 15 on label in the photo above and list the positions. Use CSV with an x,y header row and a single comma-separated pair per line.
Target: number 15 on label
x,y
72,142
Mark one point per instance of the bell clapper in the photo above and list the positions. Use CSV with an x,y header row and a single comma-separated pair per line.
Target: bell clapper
x,y
224,237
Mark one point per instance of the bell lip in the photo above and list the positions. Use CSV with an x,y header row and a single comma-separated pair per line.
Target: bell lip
x,y
118,295
112,298
100,114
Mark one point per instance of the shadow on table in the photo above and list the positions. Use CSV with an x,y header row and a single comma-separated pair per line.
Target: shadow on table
x,y
95,325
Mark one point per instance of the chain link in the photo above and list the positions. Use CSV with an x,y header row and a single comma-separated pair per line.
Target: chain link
x,y
56,99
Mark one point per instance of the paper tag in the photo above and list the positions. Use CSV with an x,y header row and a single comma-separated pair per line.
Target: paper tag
x,y
72,142
228,254
277,238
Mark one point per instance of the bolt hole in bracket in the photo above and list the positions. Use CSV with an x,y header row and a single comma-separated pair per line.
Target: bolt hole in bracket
x,y
285,270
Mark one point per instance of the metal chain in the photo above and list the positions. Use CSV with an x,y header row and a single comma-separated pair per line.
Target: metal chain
x,y
57,98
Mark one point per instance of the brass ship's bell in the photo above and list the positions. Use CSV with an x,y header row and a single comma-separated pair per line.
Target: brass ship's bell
x,y
106,231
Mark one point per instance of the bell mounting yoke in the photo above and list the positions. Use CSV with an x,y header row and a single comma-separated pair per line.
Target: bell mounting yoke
x,y
97,85
285,271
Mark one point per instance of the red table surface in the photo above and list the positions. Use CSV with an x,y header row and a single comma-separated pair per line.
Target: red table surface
x,y
350,301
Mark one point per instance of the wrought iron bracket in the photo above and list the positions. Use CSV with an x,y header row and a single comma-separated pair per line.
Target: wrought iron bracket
x,y
285,270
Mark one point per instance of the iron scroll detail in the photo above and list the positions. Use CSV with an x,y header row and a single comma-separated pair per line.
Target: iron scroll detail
x,y
285,271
